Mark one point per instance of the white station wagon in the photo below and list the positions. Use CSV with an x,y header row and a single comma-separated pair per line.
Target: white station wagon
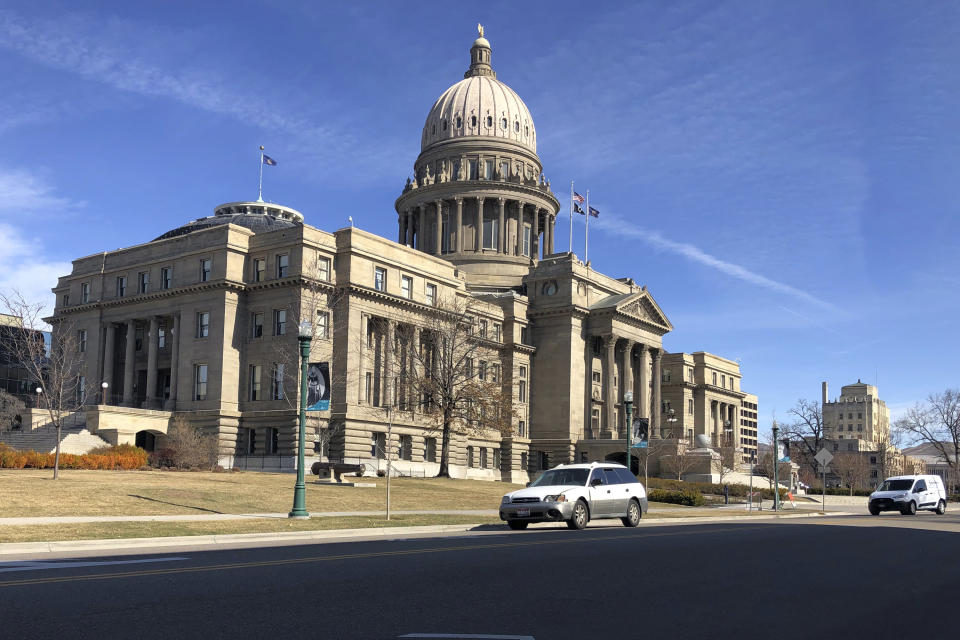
x,y
576,494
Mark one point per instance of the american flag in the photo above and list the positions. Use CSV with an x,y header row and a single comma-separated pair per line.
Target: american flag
x,y
579,198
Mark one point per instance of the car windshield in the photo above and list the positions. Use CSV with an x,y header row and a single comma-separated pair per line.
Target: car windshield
x,y
567,477
895,485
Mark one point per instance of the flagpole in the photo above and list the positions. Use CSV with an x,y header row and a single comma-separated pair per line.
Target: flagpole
x,y
571,216
586,233
260,188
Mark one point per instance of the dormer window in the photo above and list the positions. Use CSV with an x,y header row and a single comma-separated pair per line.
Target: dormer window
x,y
503,123
516,126
489,121
473,121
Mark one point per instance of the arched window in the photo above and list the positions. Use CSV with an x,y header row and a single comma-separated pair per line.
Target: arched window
x,y
516,126
489,121
503,123
434,130
459,122
443,124
473,121
526,132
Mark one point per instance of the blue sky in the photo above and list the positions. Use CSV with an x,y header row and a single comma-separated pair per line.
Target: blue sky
x,y
782,176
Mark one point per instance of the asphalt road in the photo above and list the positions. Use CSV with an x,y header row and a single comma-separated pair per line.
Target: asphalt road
x,y
840,577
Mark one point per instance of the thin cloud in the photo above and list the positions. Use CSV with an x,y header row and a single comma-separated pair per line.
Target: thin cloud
x,y
695,254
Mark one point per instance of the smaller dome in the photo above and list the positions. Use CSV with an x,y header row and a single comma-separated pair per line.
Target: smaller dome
x,y
259,217
481,42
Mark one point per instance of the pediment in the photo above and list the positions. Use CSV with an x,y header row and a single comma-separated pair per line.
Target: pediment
x,y
639,307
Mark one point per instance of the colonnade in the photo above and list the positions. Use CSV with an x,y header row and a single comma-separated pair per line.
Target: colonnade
x,y
723,416
414,222
639,377
151,400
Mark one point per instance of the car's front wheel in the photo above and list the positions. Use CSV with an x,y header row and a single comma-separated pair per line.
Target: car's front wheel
x,y
580,516
874,511
517,525
941,508
633,515
910,509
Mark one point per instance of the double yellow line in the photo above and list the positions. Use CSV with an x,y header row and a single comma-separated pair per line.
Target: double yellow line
x,y
583,538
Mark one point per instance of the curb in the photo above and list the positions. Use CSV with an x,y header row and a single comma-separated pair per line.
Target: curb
x,y
249,540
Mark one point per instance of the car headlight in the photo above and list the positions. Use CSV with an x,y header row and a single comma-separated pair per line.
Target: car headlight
x,y
505,500
557,498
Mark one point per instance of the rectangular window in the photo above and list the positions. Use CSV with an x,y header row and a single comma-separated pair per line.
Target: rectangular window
x,y
279,322
283,265
82,340
524,335
203,324
483,328
259,269
521,429
206,265
138,339
368,388
431,294
690,406
81,389
323,325
380,279
723,381
430,449
323,269
255,371
689,375
161,335
470,456
497,330
121,286
482,373
200,382
522,392
406,286
256,329
166,277
276,385
595,419
468,366
596,377
66,300
472,164
378,445
488,169
666,375
483,457
714,378
494,373
406,447
84,292
491,234
143,281
527,234
504,172
273,440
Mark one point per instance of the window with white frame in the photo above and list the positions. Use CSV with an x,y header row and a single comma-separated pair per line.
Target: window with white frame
x,y
380,279
497,331
283,265
200,382
256,371
431,294
84,292
483,457
82,340
161,334
206,268
491,227
323,269
527,235
276,384
522,429
483,328
256,325
522,387
259,269
430,449
323,325
166,277
121,286
279,322
406,286
143,281
203,324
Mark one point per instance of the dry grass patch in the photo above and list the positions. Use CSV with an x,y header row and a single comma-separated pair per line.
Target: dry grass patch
x,y
31,492
114,530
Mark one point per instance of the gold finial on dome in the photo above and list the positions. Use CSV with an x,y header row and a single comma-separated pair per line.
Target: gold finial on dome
x,y
480,29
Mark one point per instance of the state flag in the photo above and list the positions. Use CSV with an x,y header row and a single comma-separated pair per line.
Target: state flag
x,y
594,212
269,161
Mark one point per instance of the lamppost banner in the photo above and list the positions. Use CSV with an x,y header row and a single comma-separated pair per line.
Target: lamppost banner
x,y
318,386
641,433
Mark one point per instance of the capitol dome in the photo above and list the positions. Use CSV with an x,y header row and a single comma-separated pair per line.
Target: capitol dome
x,y
479,106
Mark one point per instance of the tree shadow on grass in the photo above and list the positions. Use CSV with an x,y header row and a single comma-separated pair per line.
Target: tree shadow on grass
x,y
173,504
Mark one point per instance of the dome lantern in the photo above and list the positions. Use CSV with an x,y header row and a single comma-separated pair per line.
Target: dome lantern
x,y
480,57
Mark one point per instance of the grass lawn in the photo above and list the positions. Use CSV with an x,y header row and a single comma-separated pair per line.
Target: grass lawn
x,y
30,492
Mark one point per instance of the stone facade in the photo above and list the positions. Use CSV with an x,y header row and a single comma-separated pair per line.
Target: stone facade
x,y
202,321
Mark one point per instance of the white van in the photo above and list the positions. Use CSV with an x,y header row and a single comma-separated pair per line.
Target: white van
x,y
908,494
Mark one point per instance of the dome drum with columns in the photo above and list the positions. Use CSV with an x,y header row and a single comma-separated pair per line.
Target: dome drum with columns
x,y
478,196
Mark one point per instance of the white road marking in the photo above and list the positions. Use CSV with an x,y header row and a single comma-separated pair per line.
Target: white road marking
x,y
37,565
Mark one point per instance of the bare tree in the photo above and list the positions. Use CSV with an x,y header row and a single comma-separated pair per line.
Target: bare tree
x,y
679,460
852,469
57,371
936,422
11,410
806,430
729,456
455,377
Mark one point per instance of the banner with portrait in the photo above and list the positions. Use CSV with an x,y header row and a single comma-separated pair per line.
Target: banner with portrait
x,y
318,386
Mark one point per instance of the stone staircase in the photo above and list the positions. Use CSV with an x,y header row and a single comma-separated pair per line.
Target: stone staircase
x,y
74,439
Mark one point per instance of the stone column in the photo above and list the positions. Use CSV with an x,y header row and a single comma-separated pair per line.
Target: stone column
x,y
657,376
402,232
610,396
535,239
361,364
423,225
501,229
643,384
628,374
388,395
714,419
414,400
128,365
174,363
409,229
519,228
549,233
108,357
149,400
478,237
438,236
459,225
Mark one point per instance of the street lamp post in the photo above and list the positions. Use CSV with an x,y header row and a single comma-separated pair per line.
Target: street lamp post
x,y
103,392
628,405
776,467
304,336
